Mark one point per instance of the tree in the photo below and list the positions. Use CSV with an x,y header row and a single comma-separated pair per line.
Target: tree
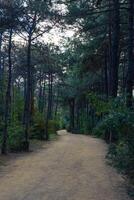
x,y
8,97
10,9
130,56
33,17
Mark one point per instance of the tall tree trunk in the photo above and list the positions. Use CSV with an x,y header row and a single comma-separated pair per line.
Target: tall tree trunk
x,y
78,115
130,79
8,97
124,76
106,74
24,95
1,77
40,93
27,109
44,96
0,57
49,108
57,102
115,49
72,113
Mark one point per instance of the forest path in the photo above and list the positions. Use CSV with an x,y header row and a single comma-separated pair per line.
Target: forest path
x,y
71,168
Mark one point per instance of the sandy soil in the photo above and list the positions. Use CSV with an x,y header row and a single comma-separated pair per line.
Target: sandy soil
x,y
71,168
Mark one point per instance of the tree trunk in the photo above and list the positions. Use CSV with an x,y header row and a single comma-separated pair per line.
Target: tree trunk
x,y
106,74
72,110
27,109
8,97
115,49
49,108
1,77
56,103
40,94
24,95
0,57
44,96
129,88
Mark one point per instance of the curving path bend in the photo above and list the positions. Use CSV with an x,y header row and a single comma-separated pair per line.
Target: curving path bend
x,y
71,168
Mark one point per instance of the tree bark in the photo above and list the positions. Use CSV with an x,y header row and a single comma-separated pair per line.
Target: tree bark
x,y
72,111
106,74
0,57
115,49
27,109
40,93
129,88
49,106
8,97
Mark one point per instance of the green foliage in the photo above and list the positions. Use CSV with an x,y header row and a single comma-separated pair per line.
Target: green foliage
x,y
15,137
119,153
53,126
17,105
116,125
85,127
98,103
119,123
104,106
37,131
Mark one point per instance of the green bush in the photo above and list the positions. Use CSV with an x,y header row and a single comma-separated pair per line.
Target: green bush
x,y
122,157
119,124
37,130
117,127
53,126
119,154
15,137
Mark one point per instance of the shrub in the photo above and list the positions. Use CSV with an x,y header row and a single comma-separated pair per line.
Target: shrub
x,y
15,137
119,154
37,131
122,157
53,126
119,124
38,128
117,127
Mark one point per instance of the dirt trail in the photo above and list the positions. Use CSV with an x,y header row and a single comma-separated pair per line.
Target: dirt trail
x,y
71,168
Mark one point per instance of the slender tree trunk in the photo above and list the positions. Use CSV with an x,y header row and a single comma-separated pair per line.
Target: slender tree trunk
x,y
0,57
27,109
51,96
32,109
115,49
57,101
106,74
8,97
130,79
40,93
2,89
72,115
25,89
124,76
44,96
49,108
1,77
78,116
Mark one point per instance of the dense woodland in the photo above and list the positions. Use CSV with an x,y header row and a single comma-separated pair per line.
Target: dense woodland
x,y
84,84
